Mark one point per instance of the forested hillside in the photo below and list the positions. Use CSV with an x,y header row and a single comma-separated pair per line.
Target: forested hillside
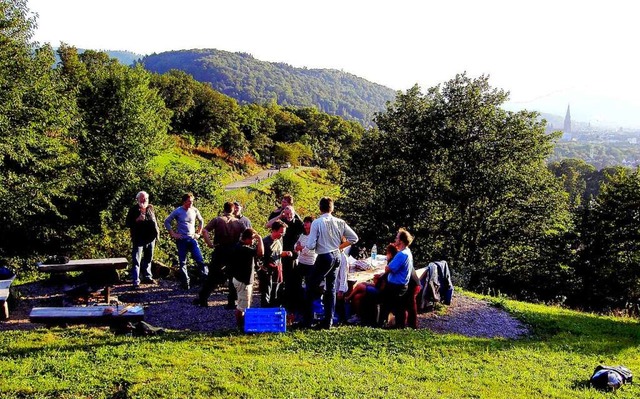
x,y
249,80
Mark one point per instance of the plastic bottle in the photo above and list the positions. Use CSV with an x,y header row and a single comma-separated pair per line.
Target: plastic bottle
x,y
374,252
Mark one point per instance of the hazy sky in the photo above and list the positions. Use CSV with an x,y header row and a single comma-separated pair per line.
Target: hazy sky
x,y
547,53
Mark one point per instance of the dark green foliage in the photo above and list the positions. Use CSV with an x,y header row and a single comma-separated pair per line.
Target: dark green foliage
x,y
282,185
248,80
168,188
577,178
331,138
122,124
37,148
609,258
258,128
468,179
581,180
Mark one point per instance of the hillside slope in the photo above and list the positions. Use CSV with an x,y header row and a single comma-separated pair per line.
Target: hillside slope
x,y
249,80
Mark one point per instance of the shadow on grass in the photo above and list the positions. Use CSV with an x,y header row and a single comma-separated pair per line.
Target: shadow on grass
x,y
82,338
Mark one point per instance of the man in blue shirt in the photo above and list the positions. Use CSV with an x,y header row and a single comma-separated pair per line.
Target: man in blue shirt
x,y
399,272
326,238
186,236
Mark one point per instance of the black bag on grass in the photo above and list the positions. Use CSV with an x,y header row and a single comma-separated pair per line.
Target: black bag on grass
x,y
610,378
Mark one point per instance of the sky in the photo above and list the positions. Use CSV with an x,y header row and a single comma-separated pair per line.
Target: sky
x,y
547,53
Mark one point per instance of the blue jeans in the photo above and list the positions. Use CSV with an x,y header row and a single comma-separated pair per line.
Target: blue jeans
x,y
325,268
141,257
186,245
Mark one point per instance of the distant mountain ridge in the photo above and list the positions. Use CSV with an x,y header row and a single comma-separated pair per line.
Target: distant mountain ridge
x,y
248,80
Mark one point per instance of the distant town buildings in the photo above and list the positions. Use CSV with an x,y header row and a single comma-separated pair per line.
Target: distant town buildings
x,y
597,145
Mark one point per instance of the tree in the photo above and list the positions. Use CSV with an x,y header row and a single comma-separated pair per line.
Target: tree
x,y
212,115
37,148
282,185
468,179
258,128
575,173
177,89
610,254
123,125
293,153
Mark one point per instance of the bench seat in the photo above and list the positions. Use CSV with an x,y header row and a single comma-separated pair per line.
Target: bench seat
x,y
4,295
85,315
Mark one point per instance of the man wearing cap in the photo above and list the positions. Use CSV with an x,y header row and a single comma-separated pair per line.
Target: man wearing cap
x,y
237,212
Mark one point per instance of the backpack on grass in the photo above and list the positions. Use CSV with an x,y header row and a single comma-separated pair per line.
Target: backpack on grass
x,y
610,377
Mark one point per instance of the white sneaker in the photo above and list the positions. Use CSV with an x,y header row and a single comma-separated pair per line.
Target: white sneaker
x,y
354,319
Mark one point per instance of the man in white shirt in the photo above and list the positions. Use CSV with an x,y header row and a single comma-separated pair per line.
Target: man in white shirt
x,y
326,238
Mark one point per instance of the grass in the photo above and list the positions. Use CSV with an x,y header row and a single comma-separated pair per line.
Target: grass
x,y
555,362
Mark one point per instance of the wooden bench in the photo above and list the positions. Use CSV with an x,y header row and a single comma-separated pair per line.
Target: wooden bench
x,y
100,272
86,315
4,295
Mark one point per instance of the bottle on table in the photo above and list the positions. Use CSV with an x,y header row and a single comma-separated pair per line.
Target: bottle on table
x,y
374,253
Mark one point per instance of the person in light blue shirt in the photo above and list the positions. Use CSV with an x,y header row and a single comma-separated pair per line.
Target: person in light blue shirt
x,y
186,236
328,236
399,272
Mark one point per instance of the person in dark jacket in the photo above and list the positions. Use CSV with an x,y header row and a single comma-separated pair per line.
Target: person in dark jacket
x,y
243,266
142,223
292,275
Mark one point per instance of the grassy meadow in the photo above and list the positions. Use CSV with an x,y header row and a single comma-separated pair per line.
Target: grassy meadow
x,y
349,362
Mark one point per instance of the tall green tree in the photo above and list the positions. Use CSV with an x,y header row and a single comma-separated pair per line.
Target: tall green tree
x,y
37,149
609,265
123,125
258,128
212,116
468,179
574,174
177,89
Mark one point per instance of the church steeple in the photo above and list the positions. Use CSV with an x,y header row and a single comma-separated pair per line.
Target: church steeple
x,y
567,120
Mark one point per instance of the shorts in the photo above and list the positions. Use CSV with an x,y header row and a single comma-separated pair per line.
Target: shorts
x,y
244,294
373,292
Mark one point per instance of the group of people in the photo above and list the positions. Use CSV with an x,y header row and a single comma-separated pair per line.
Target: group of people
x,y
297,263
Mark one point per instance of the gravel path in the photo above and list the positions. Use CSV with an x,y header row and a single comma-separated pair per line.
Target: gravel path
x,y
474,318
168,306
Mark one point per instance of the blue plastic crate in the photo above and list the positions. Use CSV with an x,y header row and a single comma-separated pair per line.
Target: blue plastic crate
x,y
261,320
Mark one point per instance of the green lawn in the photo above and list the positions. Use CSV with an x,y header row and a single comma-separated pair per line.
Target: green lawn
x,y
344,362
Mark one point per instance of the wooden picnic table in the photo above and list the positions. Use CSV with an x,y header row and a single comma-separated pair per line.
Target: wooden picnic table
x,y
361,276
100,272
84,265
356,276
367,275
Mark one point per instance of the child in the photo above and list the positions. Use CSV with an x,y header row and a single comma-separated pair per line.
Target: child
x,y
245,253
